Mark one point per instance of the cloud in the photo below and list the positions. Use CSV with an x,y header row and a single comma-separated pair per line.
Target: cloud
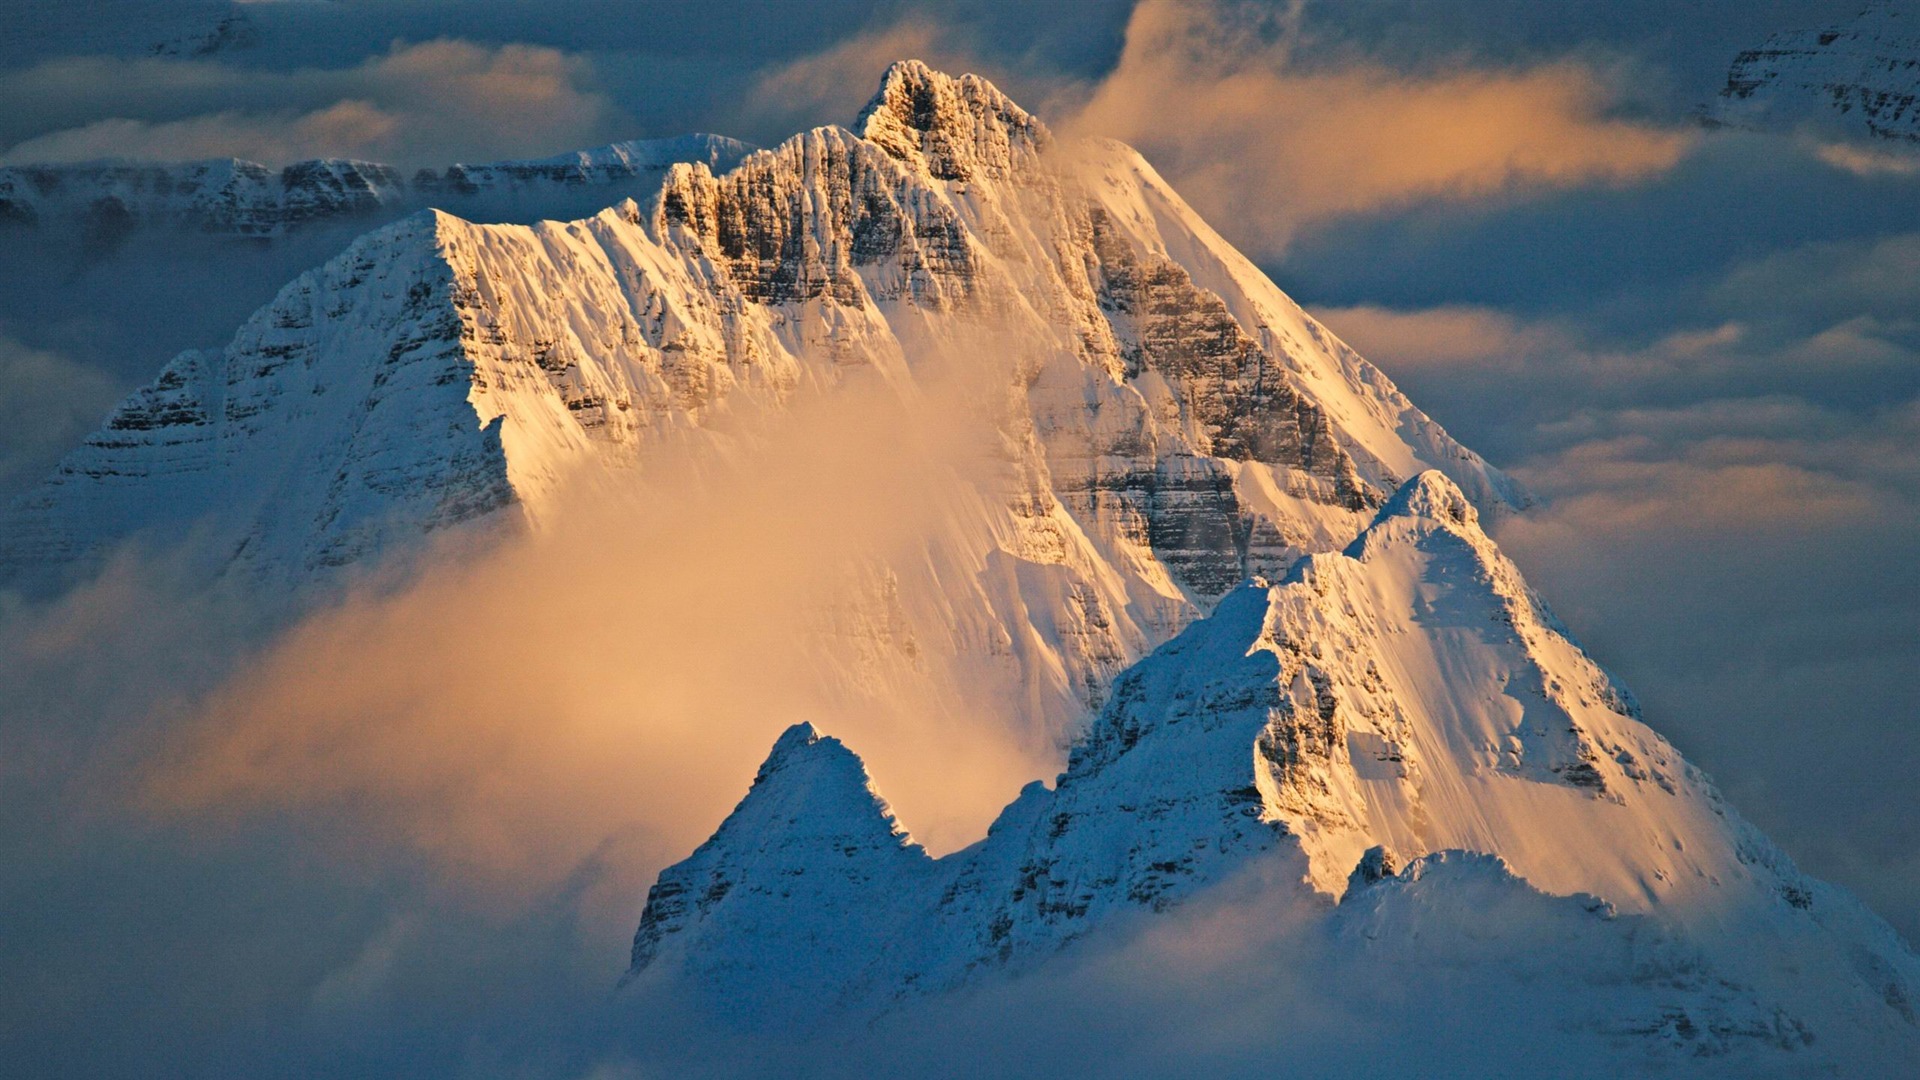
x,y
622,671
1472,346
1448,338
1869,160
1830,322
1828,282
419,822
1753,463
47,403
831,87
1260,139
351,127
422,104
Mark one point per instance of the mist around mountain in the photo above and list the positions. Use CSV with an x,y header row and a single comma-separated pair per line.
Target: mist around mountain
x,y
962,441
388,789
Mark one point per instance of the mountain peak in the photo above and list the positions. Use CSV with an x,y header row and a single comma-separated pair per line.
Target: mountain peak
x,y
1431,495
808,841
953,128
797,744
802,734
806,769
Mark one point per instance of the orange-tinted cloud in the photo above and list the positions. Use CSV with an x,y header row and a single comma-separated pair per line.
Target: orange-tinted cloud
x,y
620,672
1869,160
1449,337
1264,143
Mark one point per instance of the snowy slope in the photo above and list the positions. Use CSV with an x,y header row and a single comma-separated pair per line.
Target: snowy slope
x,y
231,197
1861,76
1171,422
1406,703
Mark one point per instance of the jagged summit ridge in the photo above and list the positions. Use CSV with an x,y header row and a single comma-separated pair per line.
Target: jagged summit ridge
x,y
954,129
1402,732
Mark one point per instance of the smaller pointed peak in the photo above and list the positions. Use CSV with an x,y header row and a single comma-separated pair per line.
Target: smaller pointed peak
x,y
811,784
954,129
908,72
802,732
1431,495
795,740
821,766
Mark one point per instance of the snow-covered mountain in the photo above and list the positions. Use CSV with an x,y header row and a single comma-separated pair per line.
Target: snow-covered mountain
x,y
1398,725
1172,422
230,197
1401,727
1861,76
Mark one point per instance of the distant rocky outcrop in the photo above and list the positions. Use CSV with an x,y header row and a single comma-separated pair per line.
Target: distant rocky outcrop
x,y
1859,77
231,197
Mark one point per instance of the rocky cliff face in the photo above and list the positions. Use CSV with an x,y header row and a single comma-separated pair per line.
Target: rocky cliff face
x,y
1171,421
1400,719
1861,76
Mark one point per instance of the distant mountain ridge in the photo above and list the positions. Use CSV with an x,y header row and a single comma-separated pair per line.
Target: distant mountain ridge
x,y
1861,76
1396,729
232,197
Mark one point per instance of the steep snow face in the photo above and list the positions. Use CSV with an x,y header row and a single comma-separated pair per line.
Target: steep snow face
x,y
1862,75
811,827
1171,422
245,199
1430,701
335,423
1407,702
